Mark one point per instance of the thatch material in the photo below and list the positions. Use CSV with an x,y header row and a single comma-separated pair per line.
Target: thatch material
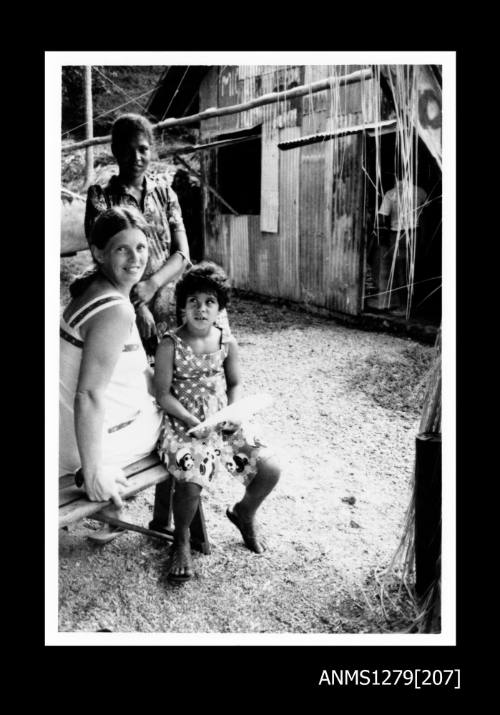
x,y
428,605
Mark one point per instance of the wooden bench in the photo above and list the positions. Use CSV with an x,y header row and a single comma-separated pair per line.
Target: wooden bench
x,y
74,504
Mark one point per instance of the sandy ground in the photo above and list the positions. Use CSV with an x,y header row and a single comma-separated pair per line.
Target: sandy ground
x,y
345,415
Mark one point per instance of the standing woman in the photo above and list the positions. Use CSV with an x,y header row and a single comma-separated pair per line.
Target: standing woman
x,y
153,297
107,414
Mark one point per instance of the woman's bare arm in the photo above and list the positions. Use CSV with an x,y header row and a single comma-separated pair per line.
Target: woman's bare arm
x,y
104,336
232,372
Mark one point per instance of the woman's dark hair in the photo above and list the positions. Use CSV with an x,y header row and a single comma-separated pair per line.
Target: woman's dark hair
x,y
128,126
204,277
107,225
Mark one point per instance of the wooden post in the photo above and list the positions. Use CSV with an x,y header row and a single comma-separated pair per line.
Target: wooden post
x,y
427,512
89,150
428,500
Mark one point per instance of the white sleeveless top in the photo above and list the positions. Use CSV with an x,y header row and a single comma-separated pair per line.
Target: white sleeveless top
x,y
131,418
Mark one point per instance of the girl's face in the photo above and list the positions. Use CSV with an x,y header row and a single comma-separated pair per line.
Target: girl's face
x,y
201,310
124,258
134,156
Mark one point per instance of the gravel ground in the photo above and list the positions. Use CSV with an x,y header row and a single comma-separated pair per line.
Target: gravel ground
x,y
344,420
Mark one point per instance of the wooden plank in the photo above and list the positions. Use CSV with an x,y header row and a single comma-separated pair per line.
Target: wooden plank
x,y
269,192
69,513
288,262
68,480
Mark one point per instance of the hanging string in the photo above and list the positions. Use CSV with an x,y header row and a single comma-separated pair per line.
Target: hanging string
x,y
175,93
109,111
403,287
96,69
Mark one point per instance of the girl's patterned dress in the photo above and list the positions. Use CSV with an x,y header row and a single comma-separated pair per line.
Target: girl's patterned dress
x,y
200,386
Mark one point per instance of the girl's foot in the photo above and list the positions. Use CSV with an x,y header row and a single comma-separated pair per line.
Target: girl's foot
x,y
248,530
181,565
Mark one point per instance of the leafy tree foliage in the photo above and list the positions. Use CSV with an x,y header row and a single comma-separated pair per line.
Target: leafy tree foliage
x,y
112,89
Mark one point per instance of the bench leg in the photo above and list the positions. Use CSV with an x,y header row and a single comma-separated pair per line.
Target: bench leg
x,y
199,534
163,516
163,509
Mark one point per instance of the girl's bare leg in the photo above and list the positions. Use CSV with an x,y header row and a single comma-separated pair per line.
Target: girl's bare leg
x,y
268,474
186,500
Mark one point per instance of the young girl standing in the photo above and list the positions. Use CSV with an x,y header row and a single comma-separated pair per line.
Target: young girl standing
x,y
197,374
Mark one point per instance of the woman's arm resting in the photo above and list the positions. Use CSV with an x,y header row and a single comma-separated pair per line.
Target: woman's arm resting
x,y
173,267
104,336
232,372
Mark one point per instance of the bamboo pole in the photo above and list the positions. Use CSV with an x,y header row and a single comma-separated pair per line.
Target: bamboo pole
x,y
89,151
212,112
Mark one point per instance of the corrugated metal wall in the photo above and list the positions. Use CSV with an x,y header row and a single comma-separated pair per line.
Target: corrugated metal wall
x,y
316,256
239,251
346,245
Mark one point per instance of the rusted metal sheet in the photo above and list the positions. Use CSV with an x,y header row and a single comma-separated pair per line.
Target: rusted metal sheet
x,y
356,98
316,255
331,224
345,244
209,98
228,95
255,264
239,252
312,222
288,237
251,87
217,242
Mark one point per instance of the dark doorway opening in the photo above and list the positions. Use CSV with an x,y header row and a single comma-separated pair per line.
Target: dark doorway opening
x,y
239,172
188,192
426,299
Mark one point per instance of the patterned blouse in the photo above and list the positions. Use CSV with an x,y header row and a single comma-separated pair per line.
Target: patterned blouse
x,y
160,208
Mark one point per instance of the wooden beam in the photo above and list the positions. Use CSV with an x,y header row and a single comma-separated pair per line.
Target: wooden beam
x,y
318,86
344,131
192,148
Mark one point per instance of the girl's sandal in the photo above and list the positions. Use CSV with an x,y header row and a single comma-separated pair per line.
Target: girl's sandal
x,y
177,579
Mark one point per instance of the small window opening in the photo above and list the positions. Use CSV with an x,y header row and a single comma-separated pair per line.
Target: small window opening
x,y
239,172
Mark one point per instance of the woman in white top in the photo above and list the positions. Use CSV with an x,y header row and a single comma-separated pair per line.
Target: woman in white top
x,y
108,417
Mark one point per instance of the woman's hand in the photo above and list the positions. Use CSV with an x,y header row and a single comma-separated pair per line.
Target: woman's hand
x,y
143,292
145,322
105,484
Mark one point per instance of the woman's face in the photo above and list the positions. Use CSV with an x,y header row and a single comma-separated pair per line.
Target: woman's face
x,y
133,157
124,258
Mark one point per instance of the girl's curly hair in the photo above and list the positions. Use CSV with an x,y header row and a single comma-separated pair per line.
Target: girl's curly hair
x,y
204,277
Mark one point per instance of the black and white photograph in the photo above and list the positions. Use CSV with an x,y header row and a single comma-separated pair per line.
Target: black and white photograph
x,y
250,318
